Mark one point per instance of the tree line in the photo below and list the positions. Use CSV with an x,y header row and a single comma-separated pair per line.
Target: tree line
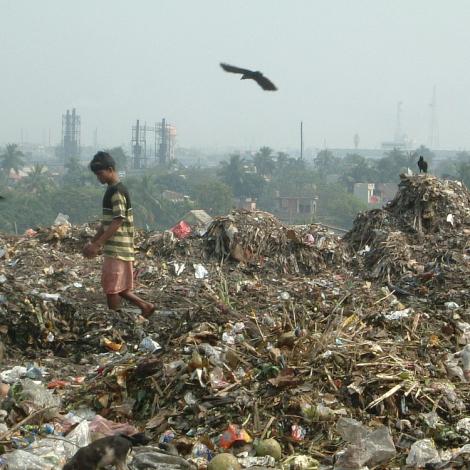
x,y
37,198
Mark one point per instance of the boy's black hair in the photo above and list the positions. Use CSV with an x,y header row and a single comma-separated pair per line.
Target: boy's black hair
x,y
102,161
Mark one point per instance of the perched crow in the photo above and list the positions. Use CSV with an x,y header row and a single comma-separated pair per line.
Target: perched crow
x,y
258,77
423,165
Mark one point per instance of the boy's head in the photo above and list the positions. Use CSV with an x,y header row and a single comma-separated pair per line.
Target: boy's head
x,y
104,167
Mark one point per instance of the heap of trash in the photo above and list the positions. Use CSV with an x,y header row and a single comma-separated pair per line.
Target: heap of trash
x,y
419,241
272,346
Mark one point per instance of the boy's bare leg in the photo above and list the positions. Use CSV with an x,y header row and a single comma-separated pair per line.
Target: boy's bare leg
x,y
146,307
114,301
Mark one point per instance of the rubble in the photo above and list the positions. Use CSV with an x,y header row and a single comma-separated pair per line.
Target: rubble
x,y
258,238
418,243
346,353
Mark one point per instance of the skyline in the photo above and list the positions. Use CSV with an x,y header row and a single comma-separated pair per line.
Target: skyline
x,y
340,68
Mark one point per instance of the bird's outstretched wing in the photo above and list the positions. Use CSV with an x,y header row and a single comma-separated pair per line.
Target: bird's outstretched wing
x,y
264,83
233,69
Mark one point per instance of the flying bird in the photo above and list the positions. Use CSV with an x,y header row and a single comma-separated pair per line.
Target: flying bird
x,y
258,77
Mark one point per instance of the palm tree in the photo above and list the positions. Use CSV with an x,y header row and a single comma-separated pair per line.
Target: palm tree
x,y
264,162
144,198
12,159
37,179
77,173
232,173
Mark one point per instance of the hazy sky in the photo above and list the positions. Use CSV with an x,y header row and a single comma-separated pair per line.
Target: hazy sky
x,y
340,65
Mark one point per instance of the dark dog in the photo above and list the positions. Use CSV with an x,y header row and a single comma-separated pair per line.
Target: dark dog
x,y
110,450
422,165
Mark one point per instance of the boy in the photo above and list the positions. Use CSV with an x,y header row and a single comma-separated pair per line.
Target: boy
x,y
116,235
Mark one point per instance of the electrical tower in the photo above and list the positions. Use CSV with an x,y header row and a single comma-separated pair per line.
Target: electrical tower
x,y
166,142
70,134
158,150
433,138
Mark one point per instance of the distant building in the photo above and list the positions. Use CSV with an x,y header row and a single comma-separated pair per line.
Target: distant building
x,y
14,177
290,208
246,203
386,191
375,194
364,192
197,218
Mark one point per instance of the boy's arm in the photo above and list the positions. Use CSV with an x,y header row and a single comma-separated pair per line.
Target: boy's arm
x,y
91,249
108,233
98,233
102,235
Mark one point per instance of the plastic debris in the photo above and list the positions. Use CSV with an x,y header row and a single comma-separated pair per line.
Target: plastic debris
x,y
200,272
298,433
149,345
181,230
233,434
289,308
422,453
367,446
300,462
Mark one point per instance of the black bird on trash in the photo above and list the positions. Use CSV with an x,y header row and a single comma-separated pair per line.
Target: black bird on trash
x,y
422,165
258,77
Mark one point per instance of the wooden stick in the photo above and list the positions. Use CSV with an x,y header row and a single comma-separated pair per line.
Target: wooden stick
x,y
24,421
266,429
384,396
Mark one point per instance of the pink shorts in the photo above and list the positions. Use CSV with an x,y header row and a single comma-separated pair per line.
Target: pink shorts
x,y
116,275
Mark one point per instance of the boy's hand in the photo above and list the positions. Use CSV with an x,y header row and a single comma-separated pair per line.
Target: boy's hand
x,y
90,250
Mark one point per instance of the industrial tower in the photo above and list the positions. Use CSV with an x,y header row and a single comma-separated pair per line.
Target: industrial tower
x,y
70,135
158,150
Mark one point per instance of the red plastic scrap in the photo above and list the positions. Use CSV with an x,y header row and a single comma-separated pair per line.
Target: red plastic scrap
x,y
181,230
233,434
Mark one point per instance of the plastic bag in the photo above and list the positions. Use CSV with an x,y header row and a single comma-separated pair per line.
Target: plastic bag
x,y
181,230
423,452
371,447
78,437
200,272
110,428
40,397
11,376
148,457
61,219
21,460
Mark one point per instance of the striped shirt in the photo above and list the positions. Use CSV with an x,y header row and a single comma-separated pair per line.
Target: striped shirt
x,y
117,205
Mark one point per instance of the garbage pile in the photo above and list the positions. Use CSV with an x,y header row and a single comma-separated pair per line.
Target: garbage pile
x,y
419,241
259,238
248,362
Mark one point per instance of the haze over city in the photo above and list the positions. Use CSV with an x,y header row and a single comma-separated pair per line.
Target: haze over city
x,y
340,66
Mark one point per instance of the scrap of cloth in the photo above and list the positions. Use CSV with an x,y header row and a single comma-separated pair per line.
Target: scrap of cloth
x,y
116,275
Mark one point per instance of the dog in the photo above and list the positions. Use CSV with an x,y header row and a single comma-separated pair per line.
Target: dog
x,y
422,165
109,450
